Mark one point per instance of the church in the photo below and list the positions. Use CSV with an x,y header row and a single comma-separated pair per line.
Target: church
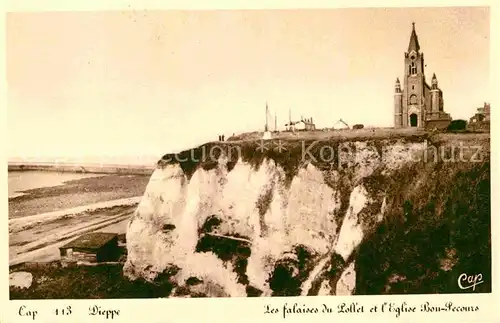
x,y
416,104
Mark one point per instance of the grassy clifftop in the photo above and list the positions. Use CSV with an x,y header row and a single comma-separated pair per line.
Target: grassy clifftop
x,y
291,151
288,150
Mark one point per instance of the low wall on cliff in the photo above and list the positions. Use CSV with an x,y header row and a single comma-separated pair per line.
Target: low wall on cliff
x,y
313,217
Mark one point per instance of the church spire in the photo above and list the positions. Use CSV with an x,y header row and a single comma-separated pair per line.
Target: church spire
x,y
414,45
397,87
434,81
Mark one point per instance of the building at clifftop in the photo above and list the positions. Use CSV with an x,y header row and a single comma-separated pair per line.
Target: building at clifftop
x,y
480,121
483,114
416,103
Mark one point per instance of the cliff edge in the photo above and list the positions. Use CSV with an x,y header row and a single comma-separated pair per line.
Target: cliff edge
x,y
297,216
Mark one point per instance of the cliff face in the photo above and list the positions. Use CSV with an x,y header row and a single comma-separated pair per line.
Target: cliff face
x,y
314,217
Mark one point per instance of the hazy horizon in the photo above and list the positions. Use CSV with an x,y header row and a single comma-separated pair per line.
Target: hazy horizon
x,y
142,84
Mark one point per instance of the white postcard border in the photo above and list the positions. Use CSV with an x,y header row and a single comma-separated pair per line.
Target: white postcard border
x,y
252,309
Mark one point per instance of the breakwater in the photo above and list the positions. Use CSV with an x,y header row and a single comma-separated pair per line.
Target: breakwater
x,y
83,168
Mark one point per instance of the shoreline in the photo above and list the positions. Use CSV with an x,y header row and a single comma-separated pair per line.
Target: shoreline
x,y
28,222
83,168
77,193
38,238
44,218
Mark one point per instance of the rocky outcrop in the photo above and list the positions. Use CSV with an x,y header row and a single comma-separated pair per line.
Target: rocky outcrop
x,y
291,218
20,279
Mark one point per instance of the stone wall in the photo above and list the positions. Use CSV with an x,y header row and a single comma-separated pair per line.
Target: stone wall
x,y
438,124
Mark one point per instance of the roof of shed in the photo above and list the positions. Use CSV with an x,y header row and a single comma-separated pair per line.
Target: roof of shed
x,y
93,240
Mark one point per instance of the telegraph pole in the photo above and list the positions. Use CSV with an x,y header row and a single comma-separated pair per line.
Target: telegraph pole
x,y
266,128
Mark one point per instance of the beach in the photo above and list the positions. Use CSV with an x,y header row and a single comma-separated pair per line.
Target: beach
x,y
48,209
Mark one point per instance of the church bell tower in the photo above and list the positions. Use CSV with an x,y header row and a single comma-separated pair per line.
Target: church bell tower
x,y
414,82
409,99
416,103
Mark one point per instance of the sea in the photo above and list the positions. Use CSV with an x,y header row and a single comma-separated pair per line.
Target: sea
x,y
20,181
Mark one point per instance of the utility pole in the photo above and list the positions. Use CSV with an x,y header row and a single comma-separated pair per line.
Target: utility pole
x,y
267,112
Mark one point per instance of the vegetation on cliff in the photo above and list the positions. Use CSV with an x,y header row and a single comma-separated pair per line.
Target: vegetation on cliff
x,y
290,153
437,227
52,281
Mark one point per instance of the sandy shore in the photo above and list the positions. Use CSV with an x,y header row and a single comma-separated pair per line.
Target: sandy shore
x,y
46,218
77,193
40,241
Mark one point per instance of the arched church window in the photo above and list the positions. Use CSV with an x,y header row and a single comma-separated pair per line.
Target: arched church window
x,y
413,99
413,68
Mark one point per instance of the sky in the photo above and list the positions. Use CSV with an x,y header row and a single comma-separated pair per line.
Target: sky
x,y
136,84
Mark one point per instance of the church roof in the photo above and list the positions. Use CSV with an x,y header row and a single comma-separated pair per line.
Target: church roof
x,y
413,45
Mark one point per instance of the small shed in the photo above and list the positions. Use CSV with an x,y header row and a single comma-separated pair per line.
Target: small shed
x,y
92,247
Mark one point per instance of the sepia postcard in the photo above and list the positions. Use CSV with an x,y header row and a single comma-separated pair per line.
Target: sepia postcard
x,y
254,155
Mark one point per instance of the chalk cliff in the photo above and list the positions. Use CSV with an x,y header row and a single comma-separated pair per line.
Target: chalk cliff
x,y
304,217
